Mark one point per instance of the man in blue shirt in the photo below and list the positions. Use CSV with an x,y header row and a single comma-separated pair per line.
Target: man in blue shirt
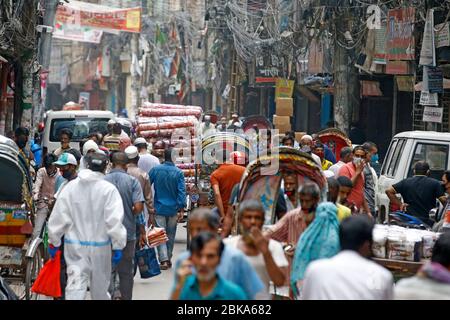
x,y
169,199
234,266
133,205
206,284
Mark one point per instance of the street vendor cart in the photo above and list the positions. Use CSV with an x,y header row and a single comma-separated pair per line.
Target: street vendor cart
x,y
21,258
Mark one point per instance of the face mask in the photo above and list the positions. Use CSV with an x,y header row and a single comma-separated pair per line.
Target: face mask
x,y
66,174
374,158
357,161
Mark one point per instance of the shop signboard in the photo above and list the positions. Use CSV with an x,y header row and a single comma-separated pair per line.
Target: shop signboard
x,y
405,83
379,56
429,99
442,35
432,114
267,69
427,53
400,34
99,17
284,88
433,80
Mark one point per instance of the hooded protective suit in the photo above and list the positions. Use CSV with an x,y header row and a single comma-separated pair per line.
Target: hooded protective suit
x,y
89,214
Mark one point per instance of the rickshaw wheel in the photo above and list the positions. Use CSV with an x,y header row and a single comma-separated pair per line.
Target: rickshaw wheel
x,y
34,266
17,284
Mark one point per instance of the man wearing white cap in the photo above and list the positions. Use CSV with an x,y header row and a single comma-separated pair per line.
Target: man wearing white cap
x,y
207,127
88,148
235,120
306,144
147,161
142,176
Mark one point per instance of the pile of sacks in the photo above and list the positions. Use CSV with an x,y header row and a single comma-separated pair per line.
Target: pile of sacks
x,y
398,243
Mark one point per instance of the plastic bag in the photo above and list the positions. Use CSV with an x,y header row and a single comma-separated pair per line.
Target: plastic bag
x,y
146,261
48,282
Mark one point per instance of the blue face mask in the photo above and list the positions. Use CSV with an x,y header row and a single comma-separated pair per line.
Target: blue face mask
x,y
374,158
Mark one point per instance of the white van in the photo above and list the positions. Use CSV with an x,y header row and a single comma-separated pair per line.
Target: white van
x,y
80,122
405,150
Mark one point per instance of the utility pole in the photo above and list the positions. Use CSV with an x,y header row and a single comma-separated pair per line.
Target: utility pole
x,y
135,77
342,70
45,50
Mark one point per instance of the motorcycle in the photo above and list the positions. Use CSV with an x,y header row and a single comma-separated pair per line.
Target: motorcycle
x,y
403,219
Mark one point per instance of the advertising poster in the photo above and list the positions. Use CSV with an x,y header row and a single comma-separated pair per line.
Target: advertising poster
x,y
400,34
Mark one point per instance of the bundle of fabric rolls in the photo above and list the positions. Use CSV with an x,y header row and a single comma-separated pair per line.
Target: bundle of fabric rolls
x,y
177,126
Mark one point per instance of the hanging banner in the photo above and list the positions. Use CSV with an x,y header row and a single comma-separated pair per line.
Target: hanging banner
x,y
427,53
74,32
429,99
433,80
432,114
379,56
284,88
99,17
442,35
398,67
400,34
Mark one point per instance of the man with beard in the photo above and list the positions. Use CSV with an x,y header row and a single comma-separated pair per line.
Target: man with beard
x,y
266,256
290,182
289,229
206,250
233,263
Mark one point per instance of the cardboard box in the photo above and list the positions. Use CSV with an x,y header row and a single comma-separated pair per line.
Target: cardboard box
x,y
126,65
283,128
281,120
299,135
284,107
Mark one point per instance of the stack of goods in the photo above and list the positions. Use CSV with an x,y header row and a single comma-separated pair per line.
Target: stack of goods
x,y
156,237
283,114
172,125
398,243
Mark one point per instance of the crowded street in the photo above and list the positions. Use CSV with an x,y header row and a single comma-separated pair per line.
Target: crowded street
x,y
216,150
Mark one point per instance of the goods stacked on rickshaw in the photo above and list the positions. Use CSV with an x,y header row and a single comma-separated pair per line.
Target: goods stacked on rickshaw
x,y
172,125
403,244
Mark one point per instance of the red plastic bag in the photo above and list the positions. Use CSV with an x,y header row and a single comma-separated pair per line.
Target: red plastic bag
x,y
48,282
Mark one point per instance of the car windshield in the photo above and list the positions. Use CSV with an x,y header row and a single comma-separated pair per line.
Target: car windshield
x,y
80,127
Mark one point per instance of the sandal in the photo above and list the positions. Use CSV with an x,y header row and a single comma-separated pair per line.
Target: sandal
x,y
164,265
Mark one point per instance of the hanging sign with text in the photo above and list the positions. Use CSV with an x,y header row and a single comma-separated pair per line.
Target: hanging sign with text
x,y
432,114
400,34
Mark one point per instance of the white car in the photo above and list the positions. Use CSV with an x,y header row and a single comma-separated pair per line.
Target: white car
x,y
80,122
405,150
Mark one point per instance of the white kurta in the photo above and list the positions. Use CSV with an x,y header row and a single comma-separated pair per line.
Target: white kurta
x,y
347,276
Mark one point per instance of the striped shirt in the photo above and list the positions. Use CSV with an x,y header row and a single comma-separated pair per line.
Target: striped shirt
x,y
289,228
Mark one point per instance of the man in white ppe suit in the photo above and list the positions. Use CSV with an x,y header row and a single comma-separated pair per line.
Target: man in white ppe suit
x,y
89,214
